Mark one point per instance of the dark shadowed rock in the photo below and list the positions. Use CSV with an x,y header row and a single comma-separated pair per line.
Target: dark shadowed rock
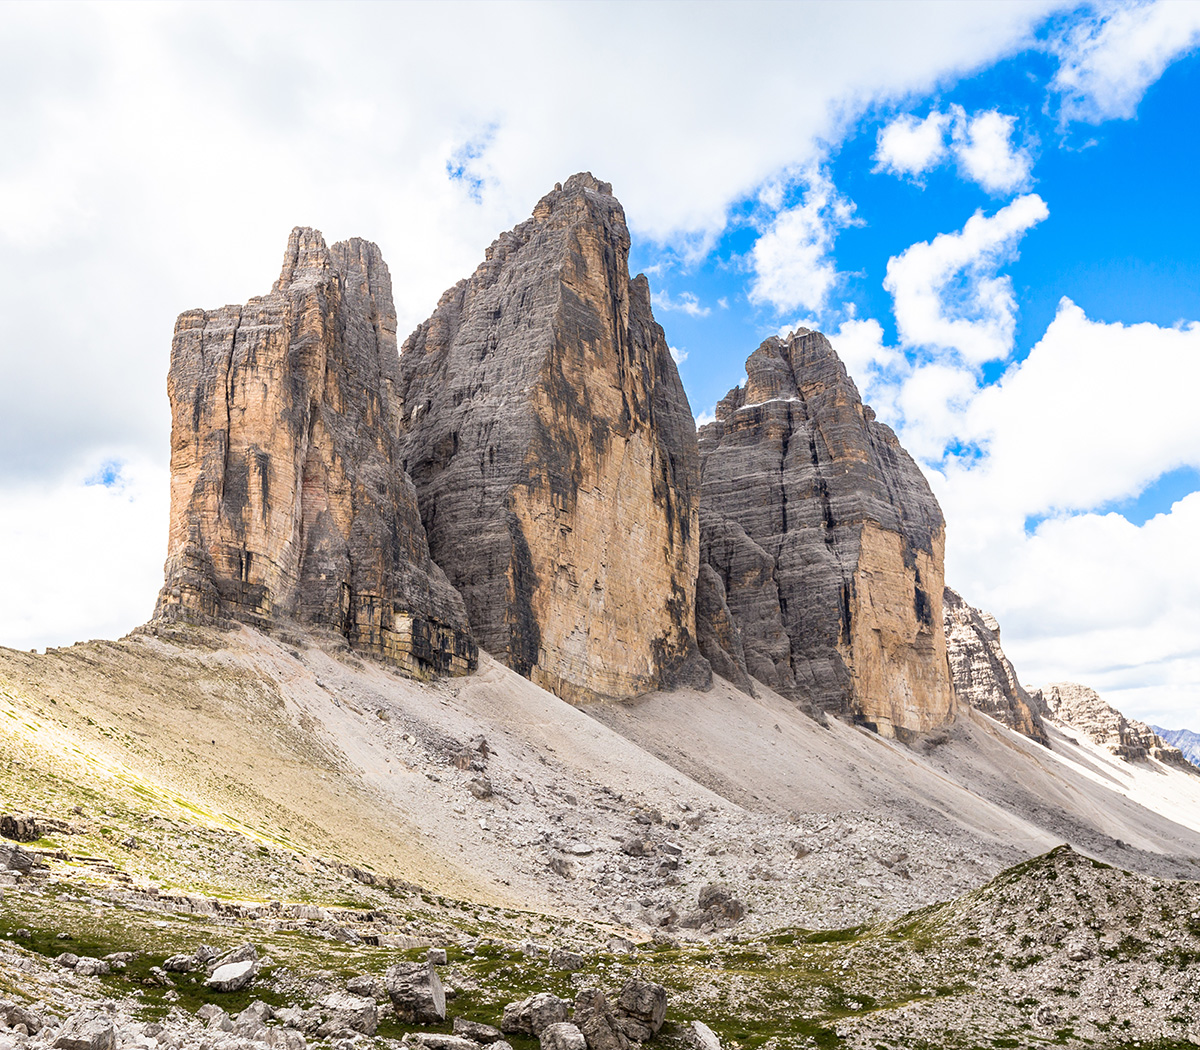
x,y
554,454
416,992
828,542
288,501
982,674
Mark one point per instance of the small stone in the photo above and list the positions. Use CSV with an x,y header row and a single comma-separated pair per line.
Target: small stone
x,y
560,959
703,1037
436,956
480,1033
180,964
87,1030
481,788
89,967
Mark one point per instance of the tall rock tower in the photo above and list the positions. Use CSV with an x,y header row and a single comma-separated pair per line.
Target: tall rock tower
x,y
554,454
825,545
288,501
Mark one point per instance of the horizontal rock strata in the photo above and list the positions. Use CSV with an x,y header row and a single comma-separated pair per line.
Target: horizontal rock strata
x,y
828,542
983,676
1084,709
288,501
554,455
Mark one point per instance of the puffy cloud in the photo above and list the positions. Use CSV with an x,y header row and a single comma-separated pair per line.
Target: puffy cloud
x,y
677,355
948,296
793,267
686,302
985,153
1109,60
981,144
908,146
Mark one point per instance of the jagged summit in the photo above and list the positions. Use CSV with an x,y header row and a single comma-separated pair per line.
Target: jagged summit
x,y
288,501
826,544
554,454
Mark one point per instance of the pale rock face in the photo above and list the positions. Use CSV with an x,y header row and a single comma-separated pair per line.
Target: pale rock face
x,y
1084,709
828,541
288,501
983,676
554,456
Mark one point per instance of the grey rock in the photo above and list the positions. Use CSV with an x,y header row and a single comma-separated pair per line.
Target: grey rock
x,y
717,633
436,956
14,858
86,1030
703,1037
481,788
983,676
343,1011
531,1016
480,1033
554,455
232,976
600,1026
416,993
1084,709
439,1041
561,959
19,828
562,1036
14,1015
289,501
67,960
181,964
828,544
89,967
366,984
643,1001
637,846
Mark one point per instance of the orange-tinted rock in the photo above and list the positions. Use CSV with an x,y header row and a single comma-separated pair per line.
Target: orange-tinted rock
x,y
554,454
828,541
288,501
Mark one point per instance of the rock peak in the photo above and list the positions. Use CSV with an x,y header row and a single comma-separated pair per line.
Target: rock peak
x,y
306,259
554,454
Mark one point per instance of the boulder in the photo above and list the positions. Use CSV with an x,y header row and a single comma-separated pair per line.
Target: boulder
x,y
89,967
480,1033
14,858
67,960
181,964
86,1030
346,1012
367,984
14,1015
554,455
531,1016
19,828
600,1027
416,993
561,959
439,1041
232,976
702,1037
562,1036
643,1001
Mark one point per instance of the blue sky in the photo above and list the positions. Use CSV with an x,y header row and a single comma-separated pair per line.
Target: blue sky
x,y
991,209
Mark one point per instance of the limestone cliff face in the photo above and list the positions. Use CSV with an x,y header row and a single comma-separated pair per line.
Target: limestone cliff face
x,y
288,501
828,542
554,455
983,676
1084,709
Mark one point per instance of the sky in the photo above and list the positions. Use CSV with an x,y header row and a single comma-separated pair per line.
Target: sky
x,y
990,208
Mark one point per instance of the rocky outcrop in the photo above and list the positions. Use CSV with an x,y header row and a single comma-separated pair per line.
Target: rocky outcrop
x,y
1084,709
828,543
1184,739
983,676
554,455
288,501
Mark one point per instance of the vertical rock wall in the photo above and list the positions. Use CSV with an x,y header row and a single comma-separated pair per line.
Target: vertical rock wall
x,y
983,676
287,498
828,542
554,454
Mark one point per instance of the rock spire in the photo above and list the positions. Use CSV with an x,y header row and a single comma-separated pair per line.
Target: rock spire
x,y
288,501
554,455
826,544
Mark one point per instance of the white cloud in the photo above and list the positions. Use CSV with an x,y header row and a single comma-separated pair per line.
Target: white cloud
x,y
686,302
1095,414
948,296
793,267
709,415
981,143
677,355
84,554
1107,62
985,153
908,146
